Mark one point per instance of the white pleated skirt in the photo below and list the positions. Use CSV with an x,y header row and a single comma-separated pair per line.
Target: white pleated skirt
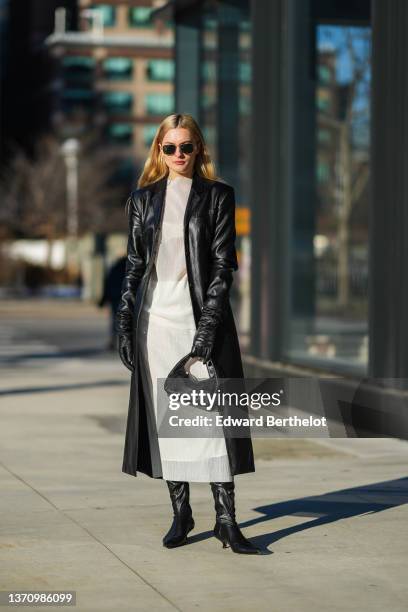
x,y
192,459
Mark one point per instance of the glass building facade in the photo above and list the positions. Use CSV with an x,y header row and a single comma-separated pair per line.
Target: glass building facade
x,y
290,97
328,231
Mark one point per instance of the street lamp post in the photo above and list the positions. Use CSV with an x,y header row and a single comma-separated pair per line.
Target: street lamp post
x,y
70,149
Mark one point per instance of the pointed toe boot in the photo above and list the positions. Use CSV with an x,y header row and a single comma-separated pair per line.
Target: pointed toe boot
x,y
183,521
226,528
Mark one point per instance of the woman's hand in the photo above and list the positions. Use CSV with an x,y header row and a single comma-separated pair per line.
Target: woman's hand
x,y
126,351
202,352
203,342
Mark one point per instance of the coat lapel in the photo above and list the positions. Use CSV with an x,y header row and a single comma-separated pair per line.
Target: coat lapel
x,y
158,200
198,190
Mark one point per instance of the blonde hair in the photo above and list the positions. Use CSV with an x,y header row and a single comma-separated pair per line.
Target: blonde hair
x,y
155,167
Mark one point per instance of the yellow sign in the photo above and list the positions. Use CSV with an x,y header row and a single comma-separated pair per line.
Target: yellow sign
x,y
242,220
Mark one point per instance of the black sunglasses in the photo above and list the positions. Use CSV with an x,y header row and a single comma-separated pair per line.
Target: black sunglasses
x,y
185,147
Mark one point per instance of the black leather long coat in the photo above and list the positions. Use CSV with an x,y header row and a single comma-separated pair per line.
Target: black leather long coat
x,y
209,239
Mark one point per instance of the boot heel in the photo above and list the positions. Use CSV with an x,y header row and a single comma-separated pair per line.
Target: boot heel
x,y
219,536
223,542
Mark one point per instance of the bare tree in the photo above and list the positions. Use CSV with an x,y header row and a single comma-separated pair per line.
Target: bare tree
x,y
33,191
353,177
352,171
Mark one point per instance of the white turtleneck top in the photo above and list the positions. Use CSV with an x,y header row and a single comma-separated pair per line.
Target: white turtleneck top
x,y
168,299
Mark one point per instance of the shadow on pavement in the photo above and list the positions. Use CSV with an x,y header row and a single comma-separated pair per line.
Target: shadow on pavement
x,y
328,508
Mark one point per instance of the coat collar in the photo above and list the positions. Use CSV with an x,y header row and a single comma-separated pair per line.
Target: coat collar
x,y
199,186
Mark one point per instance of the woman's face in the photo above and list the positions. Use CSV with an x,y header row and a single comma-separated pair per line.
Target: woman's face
x,y
179,162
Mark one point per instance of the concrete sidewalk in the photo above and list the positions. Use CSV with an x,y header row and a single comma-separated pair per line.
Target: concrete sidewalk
x,y
332,513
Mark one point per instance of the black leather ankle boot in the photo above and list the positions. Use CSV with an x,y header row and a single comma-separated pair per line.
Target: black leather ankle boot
x,y
183,521
226,529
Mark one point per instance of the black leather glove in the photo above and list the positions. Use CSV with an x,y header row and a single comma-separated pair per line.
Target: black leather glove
x,y
203,351
126,351
204,338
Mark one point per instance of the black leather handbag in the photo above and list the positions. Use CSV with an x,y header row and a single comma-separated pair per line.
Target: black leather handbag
x,y
181,381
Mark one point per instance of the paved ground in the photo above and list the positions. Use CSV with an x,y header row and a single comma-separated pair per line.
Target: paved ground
x,y
330,514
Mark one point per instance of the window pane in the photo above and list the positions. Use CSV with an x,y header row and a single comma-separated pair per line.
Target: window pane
x,y
208,71
121,133
117,68
77,68
108,14
78,62
159,104
139,17
160,70
117,101
245,72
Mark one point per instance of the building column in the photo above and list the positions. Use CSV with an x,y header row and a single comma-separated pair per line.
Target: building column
x,y
229,16
187,59
388,286
267,275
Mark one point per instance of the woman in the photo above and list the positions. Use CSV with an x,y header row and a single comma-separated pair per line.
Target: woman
x,y
175,301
